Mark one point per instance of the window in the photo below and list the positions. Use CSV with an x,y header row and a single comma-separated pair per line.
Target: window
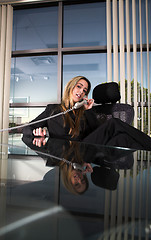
x,y
35,28
40,69
84,25
54,42
92,66
34,78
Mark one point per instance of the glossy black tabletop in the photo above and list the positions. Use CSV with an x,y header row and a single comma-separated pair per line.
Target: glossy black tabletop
x,y
38,200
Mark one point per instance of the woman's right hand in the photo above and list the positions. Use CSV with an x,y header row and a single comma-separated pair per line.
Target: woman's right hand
x,y
39,132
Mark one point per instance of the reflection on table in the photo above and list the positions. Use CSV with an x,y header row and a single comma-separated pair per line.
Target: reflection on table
x,y
39,197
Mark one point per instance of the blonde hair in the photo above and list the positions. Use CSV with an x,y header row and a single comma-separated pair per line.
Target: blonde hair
x,y
66,171
67,102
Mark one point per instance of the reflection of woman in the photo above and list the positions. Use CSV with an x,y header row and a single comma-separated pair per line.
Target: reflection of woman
x,y
75,181
68,156
81,124
74,161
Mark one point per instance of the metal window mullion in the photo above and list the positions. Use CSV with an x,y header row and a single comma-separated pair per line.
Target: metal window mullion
x,y
122,51
109,46
115,40
128,53
60,36
134,60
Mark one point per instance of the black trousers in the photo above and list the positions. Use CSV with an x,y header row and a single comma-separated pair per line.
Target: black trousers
x,y
115,132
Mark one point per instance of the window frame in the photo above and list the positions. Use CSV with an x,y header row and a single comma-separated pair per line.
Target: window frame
x,y
60,51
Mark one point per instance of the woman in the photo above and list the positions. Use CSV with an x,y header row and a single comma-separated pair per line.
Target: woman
x,y
82,125
74,125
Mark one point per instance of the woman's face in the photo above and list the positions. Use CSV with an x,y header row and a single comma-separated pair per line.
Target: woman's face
x,y
78,181
79,91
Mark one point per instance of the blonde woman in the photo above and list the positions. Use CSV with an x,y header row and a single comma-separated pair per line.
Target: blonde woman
x,y
82,125
73,125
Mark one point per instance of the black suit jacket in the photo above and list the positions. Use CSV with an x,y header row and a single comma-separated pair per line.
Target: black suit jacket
x,y
56,127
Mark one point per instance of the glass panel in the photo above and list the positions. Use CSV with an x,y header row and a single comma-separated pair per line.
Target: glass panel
x,y
145,119
85,25
146,88
149,20
33,79
35,202
19,116
143,21
132,74
143,12
92,66
35,28
143,72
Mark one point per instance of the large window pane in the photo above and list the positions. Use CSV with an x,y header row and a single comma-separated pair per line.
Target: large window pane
x,y
34,79
85,25
35,28
92,66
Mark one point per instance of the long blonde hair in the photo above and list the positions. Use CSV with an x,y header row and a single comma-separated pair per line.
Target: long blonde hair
x,y
66,171
67,102
74,155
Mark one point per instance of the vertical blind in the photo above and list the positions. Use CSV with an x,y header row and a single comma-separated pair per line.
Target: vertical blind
x,y
120,27
148,70
6,18
128,63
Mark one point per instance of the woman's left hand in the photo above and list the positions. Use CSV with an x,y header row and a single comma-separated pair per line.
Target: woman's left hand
x,y
87,167
89,104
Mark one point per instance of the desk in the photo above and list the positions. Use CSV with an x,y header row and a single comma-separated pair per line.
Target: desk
x,y
35,204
